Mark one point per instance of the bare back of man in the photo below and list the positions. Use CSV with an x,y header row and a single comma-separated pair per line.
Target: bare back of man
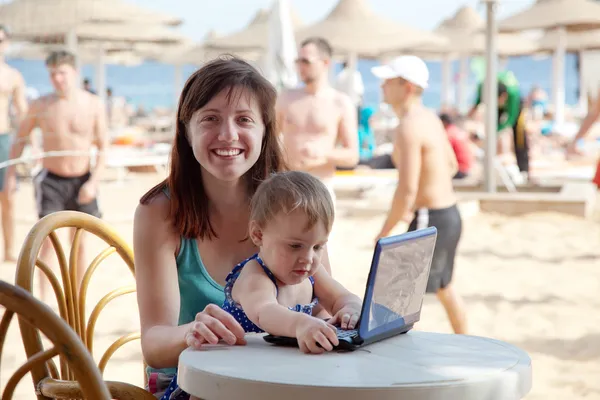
x,y
426,163
72,120
12,90
437,162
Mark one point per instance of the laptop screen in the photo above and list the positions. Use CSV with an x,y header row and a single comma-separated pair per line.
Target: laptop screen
x,y
399,283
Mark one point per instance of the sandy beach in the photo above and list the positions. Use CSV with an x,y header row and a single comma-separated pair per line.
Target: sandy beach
x,y
528,280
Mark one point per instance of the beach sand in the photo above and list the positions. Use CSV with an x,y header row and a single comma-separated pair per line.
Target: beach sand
x,y
531,281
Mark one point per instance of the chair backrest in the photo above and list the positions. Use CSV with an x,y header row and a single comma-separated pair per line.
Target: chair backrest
x,y
71,301
66,344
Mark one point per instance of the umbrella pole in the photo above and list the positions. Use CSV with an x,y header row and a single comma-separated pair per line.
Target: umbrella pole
x,y
101,73
463,79
71,44
583,87
446,99
178,82
491,96
558,86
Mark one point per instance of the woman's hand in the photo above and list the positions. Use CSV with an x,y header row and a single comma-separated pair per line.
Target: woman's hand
x,y
214,324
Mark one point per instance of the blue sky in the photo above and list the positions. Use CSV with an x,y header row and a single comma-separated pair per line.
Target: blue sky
x,y
227,16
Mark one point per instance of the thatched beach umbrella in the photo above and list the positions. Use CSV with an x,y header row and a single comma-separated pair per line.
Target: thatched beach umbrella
x,y
352,27
117,55
464,31
106,33
254,37
578,42
98,21
25,15
562,16
573,15
466,38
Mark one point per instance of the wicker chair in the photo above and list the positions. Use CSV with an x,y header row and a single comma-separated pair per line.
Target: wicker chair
x,y
71,302
67,345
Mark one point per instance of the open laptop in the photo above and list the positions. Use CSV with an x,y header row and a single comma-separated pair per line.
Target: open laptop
x,y
394,293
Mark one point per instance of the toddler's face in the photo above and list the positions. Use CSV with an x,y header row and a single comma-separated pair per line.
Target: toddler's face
x,y
290,250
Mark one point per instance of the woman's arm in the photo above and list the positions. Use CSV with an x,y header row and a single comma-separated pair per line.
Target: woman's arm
x,y
154,245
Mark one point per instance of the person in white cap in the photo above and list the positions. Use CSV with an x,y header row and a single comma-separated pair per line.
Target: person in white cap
x,y
426,164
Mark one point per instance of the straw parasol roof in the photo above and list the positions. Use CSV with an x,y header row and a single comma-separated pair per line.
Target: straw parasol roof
x,y
574,15
353,27
254,37
105,32
464,31
576,41
194,53
23,16
88,53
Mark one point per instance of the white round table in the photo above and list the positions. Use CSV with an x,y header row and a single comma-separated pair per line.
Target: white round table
x,y
417,365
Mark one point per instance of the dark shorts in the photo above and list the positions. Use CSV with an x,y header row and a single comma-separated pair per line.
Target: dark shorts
x,y
5,143
58,193
449,226
521,142
460,175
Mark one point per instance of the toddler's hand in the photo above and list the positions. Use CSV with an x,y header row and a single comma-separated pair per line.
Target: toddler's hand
x,y
347,317
313,332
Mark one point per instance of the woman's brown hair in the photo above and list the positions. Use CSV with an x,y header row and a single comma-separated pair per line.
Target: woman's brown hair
x,y
188,209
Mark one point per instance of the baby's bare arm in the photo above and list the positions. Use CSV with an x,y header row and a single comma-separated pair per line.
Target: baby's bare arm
x,y
257,295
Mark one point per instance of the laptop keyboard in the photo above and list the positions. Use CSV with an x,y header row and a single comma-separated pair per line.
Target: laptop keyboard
x,y
342,333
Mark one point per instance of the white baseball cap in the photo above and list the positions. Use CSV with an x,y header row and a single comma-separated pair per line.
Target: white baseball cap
x,y
410,68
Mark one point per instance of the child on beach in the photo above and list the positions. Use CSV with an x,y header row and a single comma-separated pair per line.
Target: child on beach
x,y
279,289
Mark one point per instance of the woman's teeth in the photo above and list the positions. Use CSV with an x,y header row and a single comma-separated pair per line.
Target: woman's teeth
x,y
228,152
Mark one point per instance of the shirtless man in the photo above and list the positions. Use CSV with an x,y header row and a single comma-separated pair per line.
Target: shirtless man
x,y
426,164
71,119
12,87
319,124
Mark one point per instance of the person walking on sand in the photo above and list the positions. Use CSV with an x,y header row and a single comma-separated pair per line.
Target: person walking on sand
x,y
318,123
12,87
426,164
585,128
71,119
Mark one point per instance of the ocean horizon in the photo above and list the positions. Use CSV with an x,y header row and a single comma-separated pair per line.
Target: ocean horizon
x,y
151,84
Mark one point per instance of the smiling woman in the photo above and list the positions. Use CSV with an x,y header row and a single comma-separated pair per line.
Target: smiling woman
x,y
192,229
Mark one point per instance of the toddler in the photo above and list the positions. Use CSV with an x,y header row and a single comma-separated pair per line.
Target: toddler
x,y
281,288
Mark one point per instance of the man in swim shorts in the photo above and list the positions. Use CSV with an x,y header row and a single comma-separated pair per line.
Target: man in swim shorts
x,y
426,164
318,123
12,88
71,119
511,114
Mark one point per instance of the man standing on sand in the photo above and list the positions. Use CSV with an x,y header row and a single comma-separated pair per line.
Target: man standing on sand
x,y
71,119
319,124
12,87
426,164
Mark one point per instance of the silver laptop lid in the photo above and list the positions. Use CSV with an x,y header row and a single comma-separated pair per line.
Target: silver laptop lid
x,y
397,281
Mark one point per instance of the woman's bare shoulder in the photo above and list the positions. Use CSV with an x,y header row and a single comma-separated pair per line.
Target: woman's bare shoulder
x,y
152,218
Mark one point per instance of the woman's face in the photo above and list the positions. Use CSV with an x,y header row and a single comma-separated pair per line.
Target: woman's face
x,y
226,134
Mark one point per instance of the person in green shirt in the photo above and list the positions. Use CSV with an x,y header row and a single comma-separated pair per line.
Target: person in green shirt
x,y
511,114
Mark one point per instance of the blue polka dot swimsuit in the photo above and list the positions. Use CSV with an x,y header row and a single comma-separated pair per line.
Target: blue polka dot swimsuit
x,y
235,309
